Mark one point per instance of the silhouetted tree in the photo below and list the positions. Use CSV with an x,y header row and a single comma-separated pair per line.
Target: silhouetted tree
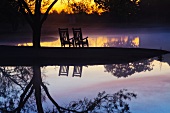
x,y
124,70
31,10
155,10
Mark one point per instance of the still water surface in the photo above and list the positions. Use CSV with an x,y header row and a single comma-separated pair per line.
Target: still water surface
x,y
148,78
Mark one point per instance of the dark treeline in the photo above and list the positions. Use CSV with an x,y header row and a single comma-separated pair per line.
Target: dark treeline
x,y
119,11
155,11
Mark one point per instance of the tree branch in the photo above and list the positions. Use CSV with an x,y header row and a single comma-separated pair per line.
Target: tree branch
x,y
25,92
18,109
13,80
49,96
37,7
26,6
55,104
47,11
22,101
29,20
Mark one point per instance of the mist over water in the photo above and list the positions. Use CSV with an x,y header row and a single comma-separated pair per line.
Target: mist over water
x,y
149,37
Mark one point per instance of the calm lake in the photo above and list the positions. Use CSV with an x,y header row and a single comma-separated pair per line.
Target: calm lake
x,y
148,78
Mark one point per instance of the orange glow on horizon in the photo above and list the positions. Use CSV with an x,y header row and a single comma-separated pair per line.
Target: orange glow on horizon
x,y
96,42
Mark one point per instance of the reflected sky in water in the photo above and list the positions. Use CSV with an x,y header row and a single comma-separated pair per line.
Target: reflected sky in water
x,y
150,86
149,79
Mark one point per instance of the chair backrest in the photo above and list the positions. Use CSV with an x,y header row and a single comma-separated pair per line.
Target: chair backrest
x,y
77,71
64,34
77,33
63,71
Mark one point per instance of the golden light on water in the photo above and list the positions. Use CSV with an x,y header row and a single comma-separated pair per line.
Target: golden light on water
x,y
136,41
100,41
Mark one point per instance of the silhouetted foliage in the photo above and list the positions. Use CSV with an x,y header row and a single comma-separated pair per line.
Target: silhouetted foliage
x,y
109,103
120,9
125,70
106,103
78,7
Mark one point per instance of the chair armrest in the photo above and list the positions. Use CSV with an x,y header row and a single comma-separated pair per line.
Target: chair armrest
x,y
71,38
85,38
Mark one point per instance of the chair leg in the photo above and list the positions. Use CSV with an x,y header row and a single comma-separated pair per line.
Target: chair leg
x,y
87,43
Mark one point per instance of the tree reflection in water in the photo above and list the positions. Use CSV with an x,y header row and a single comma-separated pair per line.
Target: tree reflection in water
x,y
18,84
124,70
128,42
13,81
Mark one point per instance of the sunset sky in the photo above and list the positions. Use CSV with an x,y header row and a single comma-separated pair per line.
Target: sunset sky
x,y
63,5
146,85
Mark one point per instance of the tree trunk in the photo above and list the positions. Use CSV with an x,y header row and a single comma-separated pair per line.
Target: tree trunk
x,y
37,86
36,36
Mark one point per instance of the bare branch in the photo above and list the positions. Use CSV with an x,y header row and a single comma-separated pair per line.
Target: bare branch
x,y
48,10
55,104
13,80
26,6
29,19
49,96
22,101
37,7
18,109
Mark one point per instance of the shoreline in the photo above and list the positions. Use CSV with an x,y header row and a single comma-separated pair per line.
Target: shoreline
x,y
24,55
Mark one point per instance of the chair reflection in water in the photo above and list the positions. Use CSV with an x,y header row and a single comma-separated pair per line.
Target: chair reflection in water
x,y
63,71
77,71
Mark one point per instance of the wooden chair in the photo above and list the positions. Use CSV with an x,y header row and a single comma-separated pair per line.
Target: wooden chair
x,y
64,37
78,38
